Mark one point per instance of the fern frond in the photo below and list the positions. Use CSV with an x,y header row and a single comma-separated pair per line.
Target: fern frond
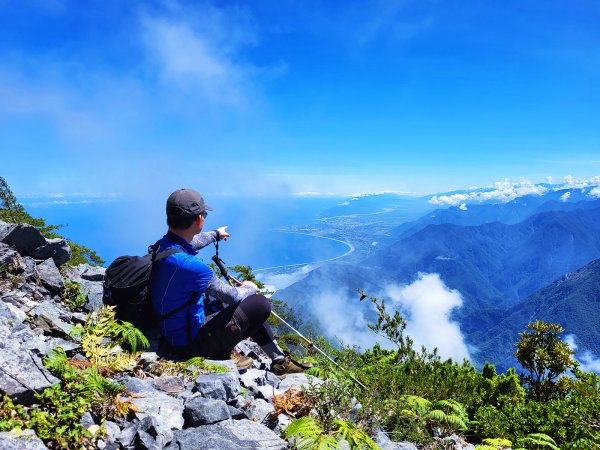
x,y
357,439
57,362
538,440
305,426
437,415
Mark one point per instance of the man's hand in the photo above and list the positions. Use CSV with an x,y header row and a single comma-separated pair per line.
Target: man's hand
x,y
222,232
250,283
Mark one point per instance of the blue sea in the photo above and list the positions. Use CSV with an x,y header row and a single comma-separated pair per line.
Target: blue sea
x,y
119,226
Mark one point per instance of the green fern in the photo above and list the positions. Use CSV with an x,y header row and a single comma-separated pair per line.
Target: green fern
x,y
537,441
357,439
307,434
57,362
497,442
103,336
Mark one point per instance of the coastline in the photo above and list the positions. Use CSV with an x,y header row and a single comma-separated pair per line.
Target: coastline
x,y
350,250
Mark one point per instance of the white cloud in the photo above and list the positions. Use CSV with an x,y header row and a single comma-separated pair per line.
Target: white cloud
x,y
429,303
308,194
276,281
506,191
342,321
587,360
565,197
463,206
595,192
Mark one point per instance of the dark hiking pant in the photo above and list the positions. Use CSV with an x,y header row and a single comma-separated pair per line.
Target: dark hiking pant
x,y
224,329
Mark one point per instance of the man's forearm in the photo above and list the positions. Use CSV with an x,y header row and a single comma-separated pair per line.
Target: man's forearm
x,y
225,293
203,239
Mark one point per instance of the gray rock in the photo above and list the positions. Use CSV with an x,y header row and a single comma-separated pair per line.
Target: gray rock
x,y
280,424
42,345
381,438
228,435
58,249
21,373
52,319
169,384
127,435
112,430
29,268
152,434
21,440
93,273
9,256
297,380
93,291
236,413
87,420
21,300
50,276
260,409
147,359
220,386
205,411
167,410
22,237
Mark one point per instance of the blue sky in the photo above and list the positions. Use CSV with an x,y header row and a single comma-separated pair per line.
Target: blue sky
x,y
280,97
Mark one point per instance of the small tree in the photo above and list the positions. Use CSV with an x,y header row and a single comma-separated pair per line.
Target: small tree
x,y
542,353
8,202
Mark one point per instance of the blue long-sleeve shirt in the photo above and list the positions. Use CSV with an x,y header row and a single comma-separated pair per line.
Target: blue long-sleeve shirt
x,y
182,278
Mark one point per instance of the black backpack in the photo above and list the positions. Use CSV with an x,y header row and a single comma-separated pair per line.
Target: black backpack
x,y
126,287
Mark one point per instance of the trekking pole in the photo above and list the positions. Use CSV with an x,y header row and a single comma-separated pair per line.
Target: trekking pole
x,y
233,280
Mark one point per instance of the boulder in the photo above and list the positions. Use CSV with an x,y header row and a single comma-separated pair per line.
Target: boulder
x,y
50,276
169,384
167,410
220,386
58,249
93,291
21,440
93,273
8,256
29,268
259,410
22,237
112,431
52,319
22,374
297,380
229,435
205,411
152,434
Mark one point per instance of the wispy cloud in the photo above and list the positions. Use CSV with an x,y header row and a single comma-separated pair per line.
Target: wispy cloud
x,y
588,361
199,50
389,18
428,304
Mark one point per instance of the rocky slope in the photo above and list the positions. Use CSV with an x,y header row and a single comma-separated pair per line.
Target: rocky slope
x,y
229,410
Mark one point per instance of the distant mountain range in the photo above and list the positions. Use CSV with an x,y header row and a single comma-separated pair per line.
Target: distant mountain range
x,y
503,258
572,301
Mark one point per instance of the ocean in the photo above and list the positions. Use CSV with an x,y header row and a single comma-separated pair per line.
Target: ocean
x,y
119,226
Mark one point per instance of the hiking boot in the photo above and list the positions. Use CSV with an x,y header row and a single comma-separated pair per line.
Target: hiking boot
x,y
288,365
241,362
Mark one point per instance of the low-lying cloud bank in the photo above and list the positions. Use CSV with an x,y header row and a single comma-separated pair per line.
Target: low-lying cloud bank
x,y
426,304
506,191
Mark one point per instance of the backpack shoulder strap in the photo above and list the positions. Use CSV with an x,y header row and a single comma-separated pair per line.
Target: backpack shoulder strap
x,y
164,254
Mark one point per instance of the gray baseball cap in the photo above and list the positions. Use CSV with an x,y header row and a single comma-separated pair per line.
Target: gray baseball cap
x,y
186,202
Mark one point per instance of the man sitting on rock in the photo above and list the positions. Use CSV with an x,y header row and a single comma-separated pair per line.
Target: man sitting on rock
x,y
180,280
